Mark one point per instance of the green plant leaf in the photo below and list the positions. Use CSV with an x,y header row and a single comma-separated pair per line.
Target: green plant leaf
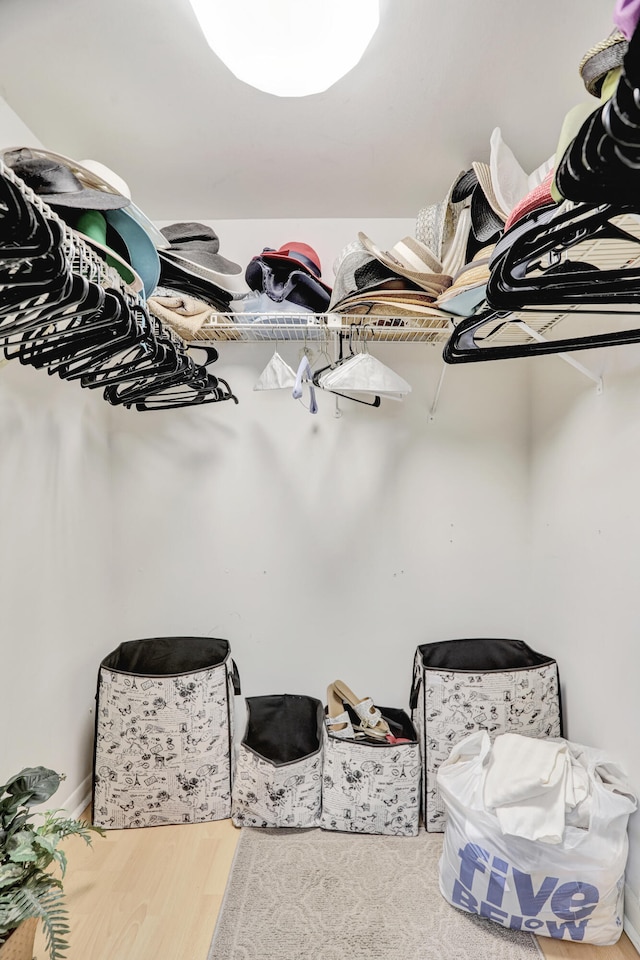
x,y
46,901
28,888
32,785
21,848
11,873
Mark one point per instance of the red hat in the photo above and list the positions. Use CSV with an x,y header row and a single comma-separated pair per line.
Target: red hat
x,y
537,197
302,255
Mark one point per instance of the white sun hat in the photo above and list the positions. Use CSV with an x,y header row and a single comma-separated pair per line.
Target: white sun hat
x,y
121,186
509,180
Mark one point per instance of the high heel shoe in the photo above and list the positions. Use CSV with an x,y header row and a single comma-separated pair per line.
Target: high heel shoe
x,y
371,723
338,721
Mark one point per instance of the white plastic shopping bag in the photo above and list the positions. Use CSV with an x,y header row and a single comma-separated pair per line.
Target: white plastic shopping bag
x,y
572,889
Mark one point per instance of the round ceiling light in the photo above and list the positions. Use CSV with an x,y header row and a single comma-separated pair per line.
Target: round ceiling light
x,y
289,48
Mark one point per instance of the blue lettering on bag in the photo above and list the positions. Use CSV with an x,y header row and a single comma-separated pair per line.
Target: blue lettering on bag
x,y
472,858
490,912
574,901
531,903
575,930
462,898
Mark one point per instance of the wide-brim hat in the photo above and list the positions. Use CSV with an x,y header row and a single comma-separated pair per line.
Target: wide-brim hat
x,y
60,181
509,180
409,258
142,251
356,271
600,59
485,222
537,197
436,223
121,186
382,295
483,173
298,256
391,308
295,286
193,248
466,301
178,279
469,284
92,227
472,276
456,255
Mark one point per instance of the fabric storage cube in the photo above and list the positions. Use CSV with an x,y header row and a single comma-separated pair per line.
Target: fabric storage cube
x,y
370,787
459,686
278,765
164,730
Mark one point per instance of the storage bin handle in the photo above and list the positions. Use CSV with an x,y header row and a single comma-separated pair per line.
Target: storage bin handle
x,y
235,679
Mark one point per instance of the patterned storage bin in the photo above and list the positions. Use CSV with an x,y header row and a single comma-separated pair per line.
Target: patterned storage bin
x,y
370,787
278,770
502,686
164,730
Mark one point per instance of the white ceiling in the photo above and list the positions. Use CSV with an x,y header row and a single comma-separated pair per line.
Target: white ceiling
x,y
132,83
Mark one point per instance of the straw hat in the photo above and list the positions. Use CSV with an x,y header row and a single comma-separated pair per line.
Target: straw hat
x,y
469,284
409,258
604,56
436,223
483,173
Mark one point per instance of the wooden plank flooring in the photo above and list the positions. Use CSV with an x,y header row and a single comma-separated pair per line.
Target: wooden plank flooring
x,y
155,893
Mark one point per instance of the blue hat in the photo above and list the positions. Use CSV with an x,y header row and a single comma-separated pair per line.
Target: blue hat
x,y
143,254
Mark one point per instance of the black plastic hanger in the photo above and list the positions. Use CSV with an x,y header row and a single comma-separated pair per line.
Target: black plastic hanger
x,y
468,342
519,276
602,162
57,313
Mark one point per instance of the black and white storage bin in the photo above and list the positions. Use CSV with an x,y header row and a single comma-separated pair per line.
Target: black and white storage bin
x,y
164,731
459,686
370,787
278,766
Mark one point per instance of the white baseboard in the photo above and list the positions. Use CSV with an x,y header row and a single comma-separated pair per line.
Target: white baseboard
x,y
77,802
632,916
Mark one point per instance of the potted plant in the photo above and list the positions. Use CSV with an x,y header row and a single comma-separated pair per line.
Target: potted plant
x,y
29,850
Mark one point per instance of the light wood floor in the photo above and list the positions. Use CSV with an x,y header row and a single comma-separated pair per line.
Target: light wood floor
x,y
154,894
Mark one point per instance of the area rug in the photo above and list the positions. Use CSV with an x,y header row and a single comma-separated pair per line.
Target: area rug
x,y
318,895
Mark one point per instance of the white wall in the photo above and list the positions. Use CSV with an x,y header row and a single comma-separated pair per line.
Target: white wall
x,y
13,131
320,547
323,547
55,561
586,560
55,573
